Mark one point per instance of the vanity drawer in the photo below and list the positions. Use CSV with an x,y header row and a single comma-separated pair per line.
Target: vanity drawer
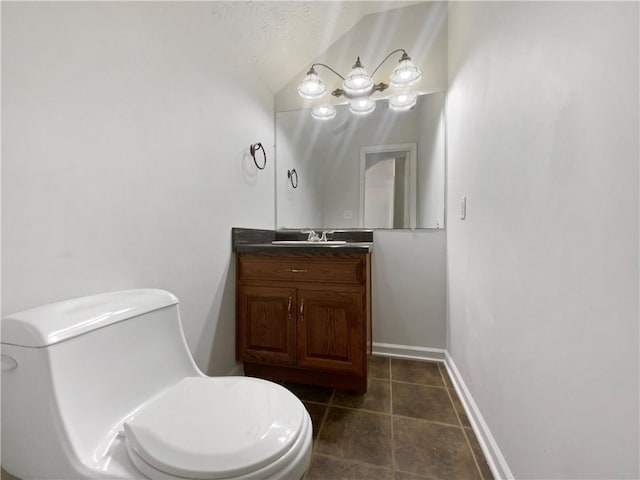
x,y
347,268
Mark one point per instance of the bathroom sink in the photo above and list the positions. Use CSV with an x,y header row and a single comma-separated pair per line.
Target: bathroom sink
x,y
306,243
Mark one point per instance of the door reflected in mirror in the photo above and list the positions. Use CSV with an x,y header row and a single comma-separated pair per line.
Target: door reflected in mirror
x,y
388,186
380,208
383,170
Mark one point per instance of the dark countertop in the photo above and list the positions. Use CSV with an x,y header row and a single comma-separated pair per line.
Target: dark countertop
x,y
355,247
246,240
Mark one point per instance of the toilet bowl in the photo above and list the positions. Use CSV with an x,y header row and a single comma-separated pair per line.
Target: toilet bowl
x,y
105,387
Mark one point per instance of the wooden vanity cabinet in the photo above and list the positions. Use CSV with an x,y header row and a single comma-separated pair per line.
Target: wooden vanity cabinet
x,y
305,317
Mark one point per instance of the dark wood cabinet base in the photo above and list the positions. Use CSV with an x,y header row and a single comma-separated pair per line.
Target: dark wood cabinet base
x,y
305,318
298,375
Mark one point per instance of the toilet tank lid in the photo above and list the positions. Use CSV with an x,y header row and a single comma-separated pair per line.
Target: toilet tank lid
x,y
56,322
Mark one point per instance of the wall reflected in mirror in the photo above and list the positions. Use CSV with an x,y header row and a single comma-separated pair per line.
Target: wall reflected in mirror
x,y
383,170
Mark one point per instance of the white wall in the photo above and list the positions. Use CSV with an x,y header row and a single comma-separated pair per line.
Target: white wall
x,y
302,205
126,129
542,125
409,289
431,161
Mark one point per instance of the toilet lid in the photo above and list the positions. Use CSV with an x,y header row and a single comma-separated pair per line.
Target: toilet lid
x,y
216,427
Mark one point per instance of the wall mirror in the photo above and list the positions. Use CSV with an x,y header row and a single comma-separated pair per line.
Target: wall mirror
x,y
382,170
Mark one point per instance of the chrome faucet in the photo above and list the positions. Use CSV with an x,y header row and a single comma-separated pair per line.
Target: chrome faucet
x,y
323,238
313,236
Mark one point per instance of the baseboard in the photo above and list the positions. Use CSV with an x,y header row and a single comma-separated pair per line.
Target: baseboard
x,y
492,453
407,351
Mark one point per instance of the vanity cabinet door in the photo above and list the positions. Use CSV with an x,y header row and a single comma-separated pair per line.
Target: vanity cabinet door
x,y
266,324
331,329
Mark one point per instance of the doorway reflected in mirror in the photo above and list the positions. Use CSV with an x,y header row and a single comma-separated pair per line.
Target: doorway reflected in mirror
x,y
388,186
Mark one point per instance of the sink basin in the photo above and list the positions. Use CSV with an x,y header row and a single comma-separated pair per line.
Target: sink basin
x,y
306,243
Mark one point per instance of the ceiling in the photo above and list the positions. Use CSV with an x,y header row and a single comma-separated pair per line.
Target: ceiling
x,y
281,38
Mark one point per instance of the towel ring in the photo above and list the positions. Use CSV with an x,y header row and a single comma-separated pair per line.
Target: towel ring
x,y
253,149
290,174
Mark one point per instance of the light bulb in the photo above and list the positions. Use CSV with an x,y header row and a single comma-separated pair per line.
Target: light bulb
x,y
402,100
358,81
311,87
405,74
362,106
323,112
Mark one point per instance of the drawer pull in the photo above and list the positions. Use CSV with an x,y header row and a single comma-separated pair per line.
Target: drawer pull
x,y
301,310
289,308
296,270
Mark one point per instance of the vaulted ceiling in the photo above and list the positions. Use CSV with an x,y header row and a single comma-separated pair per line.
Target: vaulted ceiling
x,y
281,38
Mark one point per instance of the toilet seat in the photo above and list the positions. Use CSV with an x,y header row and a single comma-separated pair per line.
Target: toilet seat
x,y
290,466
214,428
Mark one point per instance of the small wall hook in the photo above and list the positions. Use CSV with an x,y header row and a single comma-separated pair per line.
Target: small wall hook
x,y
253,148
290,174
8,363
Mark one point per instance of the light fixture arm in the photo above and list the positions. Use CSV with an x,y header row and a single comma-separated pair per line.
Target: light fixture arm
x,y
312,69
405,56
378,87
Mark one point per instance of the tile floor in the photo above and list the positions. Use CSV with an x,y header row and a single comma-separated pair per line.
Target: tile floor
x,y
409,425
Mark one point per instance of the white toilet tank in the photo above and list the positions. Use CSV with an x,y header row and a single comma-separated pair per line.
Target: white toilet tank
x,y
62,364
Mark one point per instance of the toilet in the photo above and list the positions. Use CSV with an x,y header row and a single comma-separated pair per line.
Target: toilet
x,y
105,387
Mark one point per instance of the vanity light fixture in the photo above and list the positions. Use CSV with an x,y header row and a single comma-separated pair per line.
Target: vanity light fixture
x,y
358,86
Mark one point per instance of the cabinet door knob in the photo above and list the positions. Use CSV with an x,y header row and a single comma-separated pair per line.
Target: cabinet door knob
x,y
289,307
302,310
